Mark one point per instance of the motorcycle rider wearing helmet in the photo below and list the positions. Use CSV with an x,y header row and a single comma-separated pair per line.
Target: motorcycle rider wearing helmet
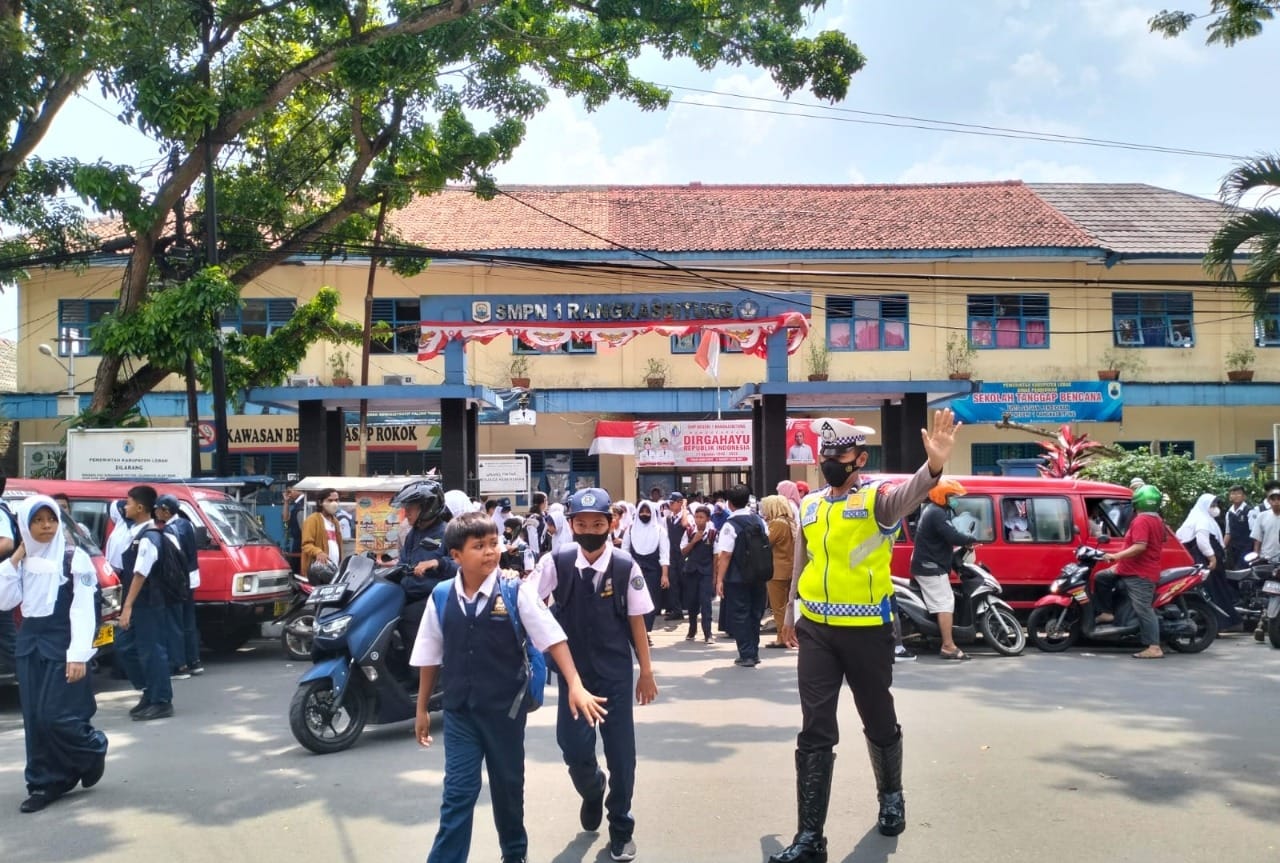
x,y
840,616
322,537
934,543
423,550
1139,566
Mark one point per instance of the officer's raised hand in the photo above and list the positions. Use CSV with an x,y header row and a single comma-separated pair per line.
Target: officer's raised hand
x,y
939,442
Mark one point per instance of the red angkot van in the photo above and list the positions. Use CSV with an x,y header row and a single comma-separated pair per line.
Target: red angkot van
x,y
244,579
1029,527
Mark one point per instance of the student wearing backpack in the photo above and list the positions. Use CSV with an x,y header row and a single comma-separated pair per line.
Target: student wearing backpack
x,y
55,585
744,565
600,600
474,637
184,636
840,617
144,615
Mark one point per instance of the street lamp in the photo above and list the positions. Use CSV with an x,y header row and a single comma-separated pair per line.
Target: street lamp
x,y
69,369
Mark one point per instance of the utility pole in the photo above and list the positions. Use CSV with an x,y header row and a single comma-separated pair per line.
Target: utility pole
x,y
368,335
221,454
180,243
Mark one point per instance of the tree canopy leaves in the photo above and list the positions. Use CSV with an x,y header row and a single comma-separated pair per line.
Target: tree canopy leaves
x,y
1230,21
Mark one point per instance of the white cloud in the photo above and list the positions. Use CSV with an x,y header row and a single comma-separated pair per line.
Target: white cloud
x,y
942,169
1034,68
1144,53
853,175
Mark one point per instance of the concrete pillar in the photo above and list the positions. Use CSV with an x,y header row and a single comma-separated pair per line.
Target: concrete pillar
x,y
772,466
335,444
313,459
459,445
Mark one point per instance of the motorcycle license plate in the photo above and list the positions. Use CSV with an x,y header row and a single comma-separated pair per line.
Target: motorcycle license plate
x,y
106,635
281,606
1080,595
1271,587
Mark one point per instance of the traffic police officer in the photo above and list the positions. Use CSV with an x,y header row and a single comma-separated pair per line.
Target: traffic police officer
x,y
840,618
601,600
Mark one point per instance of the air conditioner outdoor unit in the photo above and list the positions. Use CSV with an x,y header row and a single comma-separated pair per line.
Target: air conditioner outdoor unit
x,y
304,381
397,380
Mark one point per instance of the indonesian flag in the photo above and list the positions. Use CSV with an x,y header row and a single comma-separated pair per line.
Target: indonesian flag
x,y
708,355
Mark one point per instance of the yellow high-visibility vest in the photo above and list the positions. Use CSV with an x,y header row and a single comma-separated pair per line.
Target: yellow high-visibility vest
x,y
846,579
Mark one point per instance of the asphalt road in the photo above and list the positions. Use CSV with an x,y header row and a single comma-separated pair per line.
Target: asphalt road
x,y
1085,756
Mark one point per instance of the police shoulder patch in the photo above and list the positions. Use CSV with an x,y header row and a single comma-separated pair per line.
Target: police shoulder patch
x,y
87,579
637,582
810,514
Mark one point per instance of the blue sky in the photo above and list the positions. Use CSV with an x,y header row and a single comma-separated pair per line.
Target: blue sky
x,y
1070,67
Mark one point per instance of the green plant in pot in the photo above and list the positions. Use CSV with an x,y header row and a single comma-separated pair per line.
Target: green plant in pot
x,y
960,354
655,373
1117,362
817,359
518,371
339,364
1239,362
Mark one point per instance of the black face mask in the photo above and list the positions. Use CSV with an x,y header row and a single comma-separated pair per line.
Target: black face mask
x,y
837,473
591,541
644,518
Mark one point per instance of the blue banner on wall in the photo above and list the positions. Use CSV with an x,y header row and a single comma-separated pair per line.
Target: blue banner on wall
x,y
1054,402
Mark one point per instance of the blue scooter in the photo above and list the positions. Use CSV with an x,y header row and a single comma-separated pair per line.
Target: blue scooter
x,y
361,674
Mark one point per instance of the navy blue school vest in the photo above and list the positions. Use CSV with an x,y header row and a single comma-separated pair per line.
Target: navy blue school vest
x,y
700,560
149,594
595,619
483,664
50,636
675,537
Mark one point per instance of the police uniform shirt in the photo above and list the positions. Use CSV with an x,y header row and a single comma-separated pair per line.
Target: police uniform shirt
x,y
729,534
539,624
638,600
36,586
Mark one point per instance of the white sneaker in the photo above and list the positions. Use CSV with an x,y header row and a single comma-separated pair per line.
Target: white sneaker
x,y
901,654
622,850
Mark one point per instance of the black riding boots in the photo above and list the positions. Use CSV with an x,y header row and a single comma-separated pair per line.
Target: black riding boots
x,y
813,793
886,763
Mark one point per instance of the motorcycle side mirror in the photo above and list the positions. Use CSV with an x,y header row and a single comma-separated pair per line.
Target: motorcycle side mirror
x,y
429,544
1252,558
1104,540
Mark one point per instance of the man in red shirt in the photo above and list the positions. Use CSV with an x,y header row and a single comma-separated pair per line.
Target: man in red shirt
x,y
1138,563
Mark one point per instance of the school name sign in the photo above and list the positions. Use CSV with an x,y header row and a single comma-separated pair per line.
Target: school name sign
x,y
1041,402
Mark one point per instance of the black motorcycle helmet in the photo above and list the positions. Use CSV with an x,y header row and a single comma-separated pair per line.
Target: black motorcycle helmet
x,y
427,494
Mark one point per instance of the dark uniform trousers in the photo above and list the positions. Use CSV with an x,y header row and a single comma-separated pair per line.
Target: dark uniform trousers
x,y
745,602
651,566
675,595
479,678
600,640
830,656
62,745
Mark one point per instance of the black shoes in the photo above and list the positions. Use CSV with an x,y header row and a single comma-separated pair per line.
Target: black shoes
x,y
591,812
139,707
37,801
154,711
886,764
622,849
813,793
95,771
746,663
674,615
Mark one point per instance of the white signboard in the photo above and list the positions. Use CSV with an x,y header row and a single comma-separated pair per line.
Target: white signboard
x,y
504,474
154,453
40,458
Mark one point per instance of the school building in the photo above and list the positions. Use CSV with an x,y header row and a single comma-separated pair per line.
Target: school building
x,y
573,325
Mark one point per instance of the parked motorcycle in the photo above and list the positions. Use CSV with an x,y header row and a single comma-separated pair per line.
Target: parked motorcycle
x,y
1259,604
361,674
1188,618
979,608
299,620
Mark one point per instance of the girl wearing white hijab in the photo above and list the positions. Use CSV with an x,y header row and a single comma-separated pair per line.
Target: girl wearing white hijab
x,y
563,534
1201,536
649,546
55,586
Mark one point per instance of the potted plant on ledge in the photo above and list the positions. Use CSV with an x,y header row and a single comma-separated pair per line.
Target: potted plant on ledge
x,y
1240,363
817,359
1116,362
338,365
518,371
655,373
960,354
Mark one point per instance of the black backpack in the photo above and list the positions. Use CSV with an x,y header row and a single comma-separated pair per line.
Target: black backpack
x,y
170,571
752,551
7,513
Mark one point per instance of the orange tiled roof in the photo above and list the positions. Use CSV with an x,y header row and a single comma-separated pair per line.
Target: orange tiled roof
x,y
743,218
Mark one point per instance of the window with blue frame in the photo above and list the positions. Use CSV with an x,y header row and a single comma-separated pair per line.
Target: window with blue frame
x,y
1008,321
1266,331
1151,320
76,320
404,317
261,317
689,344
573,346
867,323
985,458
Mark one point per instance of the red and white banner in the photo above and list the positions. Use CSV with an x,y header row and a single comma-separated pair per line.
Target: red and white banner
x,y
751,335
708,443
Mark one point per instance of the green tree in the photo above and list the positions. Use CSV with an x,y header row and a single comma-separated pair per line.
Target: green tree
x,y
1230,21
318,113
1181,477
